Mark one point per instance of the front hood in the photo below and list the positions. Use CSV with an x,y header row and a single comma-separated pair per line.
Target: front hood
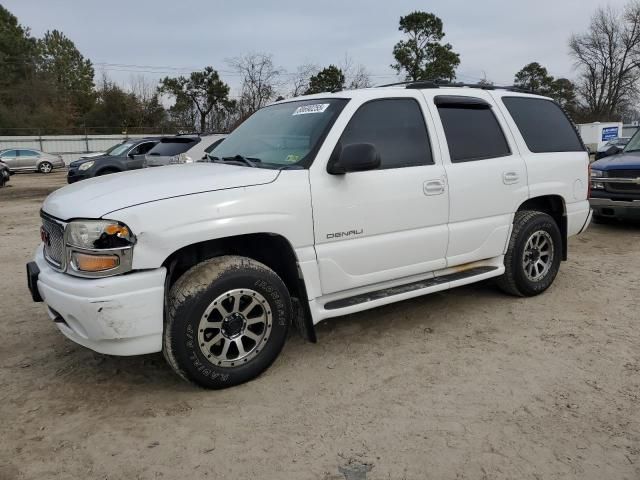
x,y
82,160
99,196
621,161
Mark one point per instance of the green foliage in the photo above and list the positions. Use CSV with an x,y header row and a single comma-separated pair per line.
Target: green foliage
x,y
422,56
535,78
330,79
204,89
115,107
18,50
61,62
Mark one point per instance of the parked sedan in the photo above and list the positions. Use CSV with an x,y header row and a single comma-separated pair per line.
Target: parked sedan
x,y
30,160
129,155
5,174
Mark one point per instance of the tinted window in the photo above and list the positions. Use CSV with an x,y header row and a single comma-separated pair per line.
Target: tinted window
x,y
28,153
473,132
396,127
142,148
173,146
9,154
543,125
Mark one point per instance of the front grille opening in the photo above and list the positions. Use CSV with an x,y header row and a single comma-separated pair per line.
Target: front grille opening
x,y
53,239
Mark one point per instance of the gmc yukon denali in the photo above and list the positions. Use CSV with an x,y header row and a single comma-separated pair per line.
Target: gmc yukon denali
x,y
315,207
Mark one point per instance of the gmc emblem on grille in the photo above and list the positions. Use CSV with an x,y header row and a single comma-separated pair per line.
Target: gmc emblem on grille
x,y
46,238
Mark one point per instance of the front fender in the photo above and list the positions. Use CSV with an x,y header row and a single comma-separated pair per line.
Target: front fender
x,y
165,226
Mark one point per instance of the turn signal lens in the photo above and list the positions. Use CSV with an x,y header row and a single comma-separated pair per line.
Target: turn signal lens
x,y
94,263
119,230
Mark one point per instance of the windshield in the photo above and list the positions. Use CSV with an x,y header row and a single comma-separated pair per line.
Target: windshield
x,y
634,144
118,150
284,134
111,149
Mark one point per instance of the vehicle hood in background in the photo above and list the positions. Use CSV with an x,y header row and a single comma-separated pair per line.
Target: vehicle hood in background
x,y
99,196
621,161
95,158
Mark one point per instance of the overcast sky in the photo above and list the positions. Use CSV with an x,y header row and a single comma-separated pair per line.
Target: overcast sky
x,y
169,37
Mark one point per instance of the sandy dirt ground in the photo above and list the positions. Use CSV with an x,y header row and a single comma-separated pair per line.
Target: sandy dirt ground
x,y
466,384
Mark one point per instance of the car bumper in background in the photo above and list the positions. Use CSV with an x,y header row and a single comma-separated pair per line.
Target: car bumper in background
x,y
75,175
605,207
121,315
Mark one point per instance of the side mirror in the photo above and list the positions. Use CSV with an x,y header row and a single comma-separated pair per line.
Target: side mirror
x,y
357,157
131,155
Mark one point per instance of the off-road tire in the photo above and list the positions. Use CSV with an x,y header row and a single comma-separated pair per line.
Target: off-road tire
x,y
514,280
190,297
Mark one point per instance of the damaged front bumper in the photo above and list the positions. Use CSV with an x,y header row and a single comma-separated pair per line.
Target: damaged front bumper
x,y
121,315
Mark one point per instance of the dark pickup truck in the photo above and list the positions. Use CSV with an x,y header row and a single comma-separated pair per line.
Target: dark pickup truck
x,y
615,184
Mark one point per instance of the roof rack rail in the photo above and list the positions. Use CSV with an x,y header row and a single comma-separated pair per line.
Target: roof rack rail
x,y
419,84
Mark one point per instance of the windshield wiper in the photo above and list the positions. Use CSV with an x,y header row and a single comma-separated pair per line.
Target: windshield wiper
x,y
250,161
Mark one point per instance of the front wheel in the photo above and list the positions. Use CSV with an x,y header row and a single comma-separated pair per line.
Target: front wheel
x,y
227,321
533,256
45,167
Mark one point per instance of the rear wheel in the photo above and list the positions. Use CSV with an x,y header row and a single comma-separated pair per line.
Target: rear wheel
x,y
533,256
45,167
227,321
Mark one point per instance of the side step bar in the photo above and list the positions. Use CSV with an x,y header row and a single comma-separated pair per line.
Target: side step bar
x,y
409,287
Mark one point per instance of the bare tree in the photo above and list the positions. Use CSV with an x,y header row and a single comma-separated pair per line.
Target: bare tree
x,y
300,79
261,80
608,58
356,76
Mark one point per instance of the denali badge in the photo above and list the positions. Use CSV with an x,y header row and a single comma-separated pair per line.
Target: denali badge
x,y
344,234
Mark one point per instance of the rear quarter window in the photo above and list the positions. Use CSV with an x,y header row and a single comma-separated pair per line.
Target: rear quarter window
x,y
543,125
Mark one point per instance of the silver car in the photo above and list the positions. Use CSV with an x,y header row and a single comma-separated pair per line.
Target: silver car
x,y
30,160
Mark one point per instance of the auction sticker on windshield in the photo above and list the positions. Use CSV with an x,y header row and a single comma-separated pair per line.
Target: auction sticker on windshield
x,y
315,108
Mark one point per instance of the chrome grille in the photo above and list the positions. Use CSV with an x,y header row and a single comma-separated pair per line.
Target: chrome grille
x,y
53,238
623,173
615,187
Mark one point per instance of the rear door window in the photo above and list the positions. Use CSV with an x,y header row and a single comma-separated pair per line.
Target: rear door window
x,y
9,154
28,153
143,148
397,129
169,147
472,130
543,125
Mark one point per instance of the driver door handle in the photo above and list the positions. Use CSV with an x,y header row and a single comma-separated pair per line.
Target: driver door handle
x,y
509,178
433,187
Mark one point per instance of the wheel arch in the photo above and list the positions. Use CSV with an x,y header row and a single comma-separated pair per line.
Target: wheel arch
x,y
554,206
271,249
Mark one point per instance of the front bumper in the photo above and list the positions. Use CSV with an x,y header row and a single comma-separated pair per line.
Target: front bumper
x,y
75,175
606,207
121,315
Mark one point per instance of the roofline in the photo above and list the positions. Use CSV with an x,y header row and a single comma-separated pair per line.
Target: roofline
x,y
428,84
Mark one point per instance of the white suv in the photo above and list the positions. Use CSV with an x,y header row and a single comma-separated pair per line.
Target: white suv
x,y
315,207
